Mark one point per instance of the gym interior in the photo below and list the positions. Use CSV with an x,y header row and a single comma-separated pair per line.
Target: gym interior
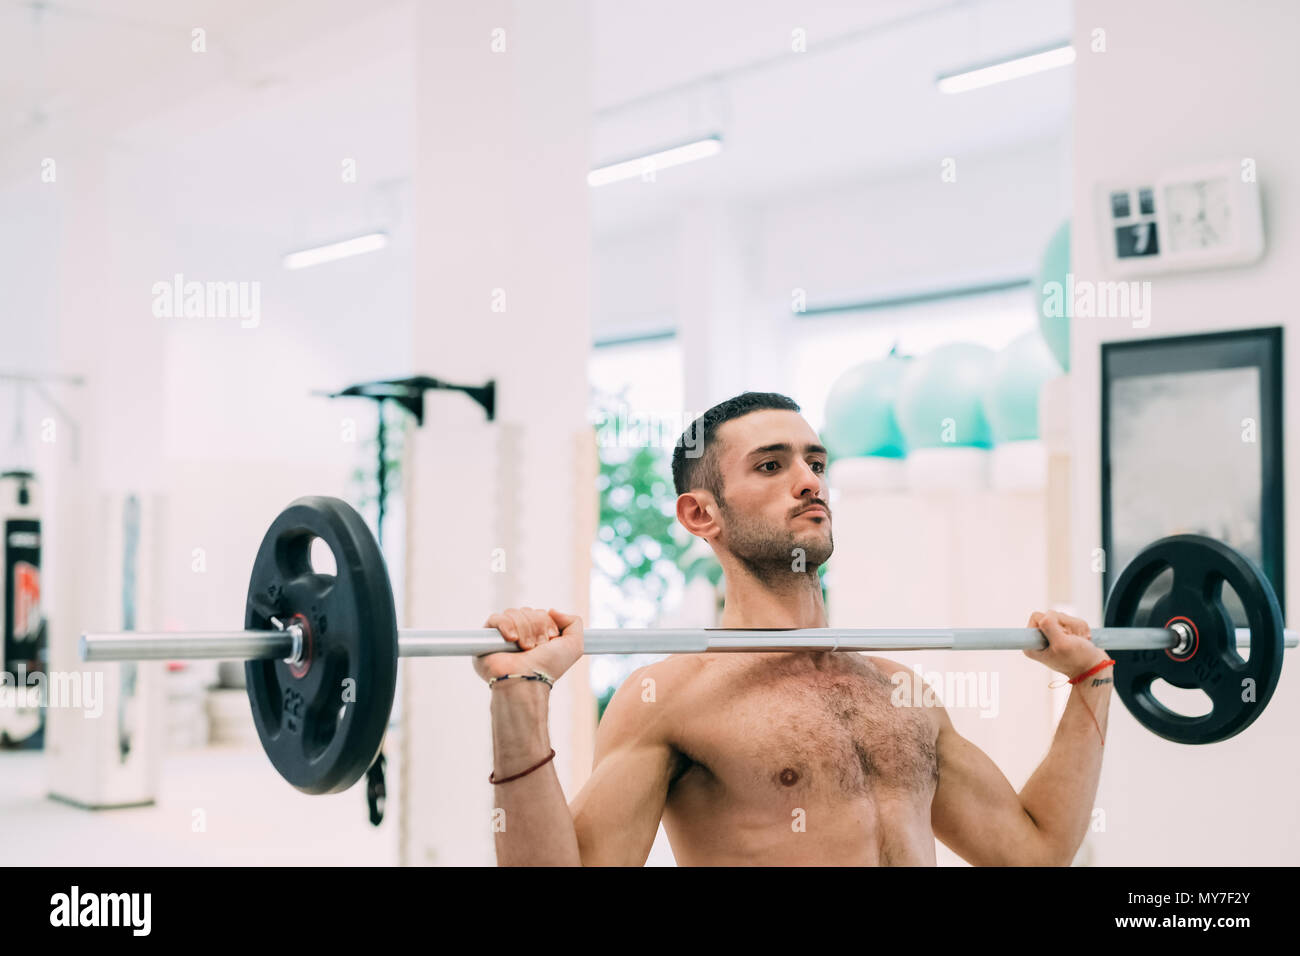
x,y
470,271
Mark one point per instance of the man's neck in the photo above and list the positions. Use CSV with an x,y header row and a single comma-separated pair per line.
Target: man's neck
x,y
752,604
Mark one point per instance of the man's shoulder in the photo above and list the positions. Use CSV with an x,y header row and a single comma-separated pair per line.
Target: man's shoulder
x,y
678,683
676,670
898,673
885,665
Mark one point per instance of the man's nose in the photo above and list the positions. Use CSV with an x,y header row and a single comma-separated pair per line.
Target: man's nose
x,y
809,482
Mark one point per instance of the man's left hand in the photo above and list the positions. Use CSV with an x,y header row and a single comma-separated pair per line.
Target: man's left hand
x,y
1070,650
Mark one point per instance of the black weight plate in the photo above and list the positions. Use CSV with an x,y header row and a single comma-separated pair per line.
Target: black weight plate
x,y
1200,568
322,725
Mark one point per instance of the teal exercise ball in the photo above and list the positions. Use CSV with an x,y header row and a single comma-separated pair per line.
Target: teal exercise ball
x,y
1011,397
860,421
1054,306
940,400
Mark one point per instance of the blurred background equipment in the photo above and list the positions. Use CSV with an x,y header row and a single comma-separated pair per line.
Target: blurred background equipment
x,y
22,723
1052,293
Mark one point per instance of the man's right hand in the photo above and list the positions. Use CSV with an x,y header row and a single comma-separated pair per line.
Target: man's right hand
x,y
550,641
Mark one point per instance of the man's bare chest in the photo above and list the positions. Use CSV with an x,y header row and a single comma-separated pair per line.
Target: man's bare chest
x,y
782,724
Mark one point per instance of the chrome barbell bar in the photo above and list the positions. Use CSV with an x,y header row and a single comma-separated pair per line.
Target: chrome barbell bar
x,y
286,644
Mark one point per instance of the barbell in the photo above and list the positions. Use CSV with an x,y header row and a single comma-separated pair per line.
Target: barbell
x,y
321,650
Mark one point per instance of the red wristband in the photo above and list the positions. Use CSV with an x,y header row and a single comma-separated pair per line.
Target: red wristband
x,y
1092,670
492,776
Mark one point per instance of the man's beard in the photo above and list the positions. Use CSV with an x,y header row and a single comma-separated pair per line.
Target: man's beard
x,y
775,554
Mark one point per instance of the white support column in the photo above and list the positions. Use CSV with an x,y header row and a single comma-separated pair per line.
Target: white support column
x,y
496,510
103,553
710,307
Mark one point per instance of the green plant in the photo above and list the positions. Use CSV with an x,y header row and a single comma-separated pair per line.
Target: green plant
x,y
640,550
638,525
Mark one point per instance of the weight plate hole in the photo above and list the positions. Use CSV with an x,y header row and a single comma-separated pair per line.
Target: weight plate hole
x,y
1157,589
321,558
1192,702
1232,602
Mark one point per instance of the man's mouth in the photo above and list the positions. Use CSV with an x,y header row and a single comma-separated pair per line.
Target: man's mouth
x,y
815,510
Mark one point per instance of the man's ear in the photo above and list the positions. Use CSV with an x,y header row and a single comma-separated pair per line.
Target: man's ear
x,y
695,511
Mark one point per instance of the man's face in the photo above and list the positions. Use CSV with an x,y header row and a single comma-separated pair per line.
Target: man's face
x,y
774,508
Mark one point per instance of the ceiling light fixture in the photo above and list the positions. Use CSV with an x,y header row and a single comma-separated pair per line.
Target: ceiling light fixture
x,y
653,162
370,242
1004,70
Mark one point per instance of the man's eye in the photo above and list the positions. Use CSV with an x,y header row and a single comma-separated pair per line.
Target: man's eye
x,y
765,464
819,466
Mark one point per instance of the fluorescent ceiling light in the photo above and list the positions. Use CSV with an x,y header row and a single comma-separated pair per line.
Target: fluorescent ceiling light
x,y
632,168
370,242
1007,70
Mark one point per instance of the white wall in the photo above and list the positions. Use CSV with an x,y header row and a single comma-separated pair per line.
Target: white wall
x,y
834,243
915,230
184,198
29,224
853,240
218,415
1185,81
632,282
502,514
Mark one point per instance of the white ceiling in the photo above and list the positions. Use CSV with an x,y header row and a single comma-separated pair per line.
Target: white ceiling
x,y
644,48
76,71
859,103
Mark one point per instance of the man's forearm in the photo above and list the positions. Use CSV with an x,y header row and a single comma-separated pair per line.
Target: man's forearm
x,y
1059,796
532,819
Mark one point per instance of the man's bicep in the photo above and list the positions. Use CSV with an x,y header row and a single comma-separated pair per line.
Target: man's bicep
x,y
616,814
976,812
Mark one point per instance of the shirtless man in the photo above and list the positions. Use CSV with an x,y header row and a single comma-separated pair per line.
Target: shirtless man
x,y
778,758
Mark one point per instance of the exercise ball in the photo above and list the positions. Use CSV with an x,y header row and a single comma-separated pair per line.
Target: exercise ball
x,y
860,419
1054,306
940,400
1011,396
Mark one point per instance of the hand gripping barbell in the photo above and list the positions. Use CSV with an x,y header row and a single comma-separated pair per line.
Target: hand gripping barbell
x,y
321,650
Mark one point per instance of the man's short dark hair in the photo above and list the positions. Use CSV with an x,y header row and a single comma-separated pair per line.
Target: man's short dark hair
x,y
700,468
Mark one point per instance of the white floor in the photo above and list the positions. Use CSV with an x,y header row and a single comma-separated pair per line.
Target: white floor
x,y
252,818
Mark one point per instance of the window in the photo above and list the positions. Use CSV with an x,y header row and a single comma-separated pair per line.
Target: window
x,y
637,573
830,345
